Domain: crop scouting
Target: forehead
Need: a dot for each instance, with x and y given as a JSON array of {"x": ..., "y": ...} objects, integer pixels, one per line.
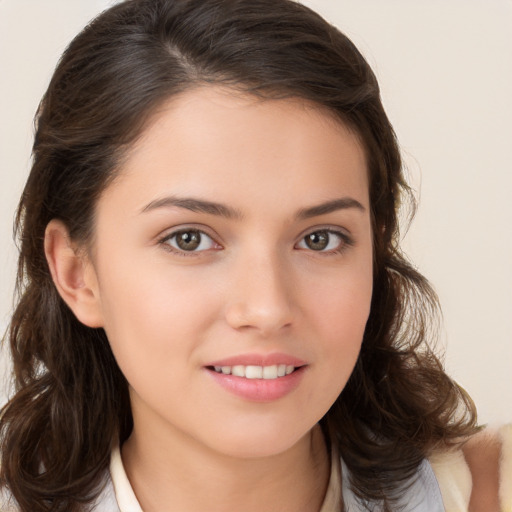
[{"x": 217, "y": 141}]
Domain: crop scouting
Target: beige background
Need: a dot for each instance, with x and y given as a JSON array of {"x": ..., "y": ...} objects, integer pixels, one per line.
[{"x": 445, "y": 68}]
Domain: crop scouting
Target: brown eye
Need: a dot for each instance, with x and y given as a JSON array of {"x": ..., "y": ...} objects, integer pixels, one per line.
[
  {"x": 325, "y": 240},
  {"x": 190, "y": 240},
  {"x": 317, "y": 241}
]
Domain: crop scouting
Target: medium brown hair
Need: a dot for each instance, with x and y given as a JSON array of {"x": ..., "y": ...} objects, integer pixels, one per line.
[{"x": 71, "y": 400}]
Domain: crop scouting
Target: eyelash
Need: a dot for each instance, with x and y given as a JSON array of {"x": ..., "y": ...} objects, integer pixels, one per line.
[
  {"x": 345, "y": 242},
  {"x": 181, "y": 252}
]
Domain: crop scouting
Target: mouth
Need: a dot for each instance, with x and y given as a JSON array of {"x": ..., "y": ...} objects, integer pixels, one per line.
[
  {"x": 271, "y": 372},
  {"x": 258, "y": 377},
  {"x": 258, "y": 383}
]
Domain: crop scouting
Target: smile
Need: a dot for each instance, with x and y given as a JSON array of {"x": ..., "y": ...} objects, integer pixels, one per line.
[
  {"x": 255, "y": 383},
  {"x": 256, "y": 372}
]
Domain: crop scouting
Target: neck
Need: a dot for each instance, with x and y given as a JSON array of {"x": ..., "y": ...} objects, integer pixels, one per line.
[{"x": 179, "y": 472}]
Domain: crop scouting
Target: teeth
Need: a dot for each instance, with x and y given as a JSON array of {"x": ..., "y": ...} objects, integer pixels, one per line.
[
  {"x": 256, "y": 372},
  {"x": 269, "y": 372},
  {"x": 238, "y": 371},
  {"x": 253, "y": 372}
]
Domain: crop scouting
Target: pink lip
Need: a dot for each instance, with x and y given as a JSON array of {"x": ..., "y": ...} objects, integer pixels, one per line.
[
  {"x": 259, "y": 360},
  {"x": 259, "y": 390}
]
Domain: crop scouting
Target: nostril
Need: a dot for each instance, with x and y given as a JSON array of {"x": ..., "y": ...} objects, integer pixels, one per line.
[{"x": 267, "y": 320}]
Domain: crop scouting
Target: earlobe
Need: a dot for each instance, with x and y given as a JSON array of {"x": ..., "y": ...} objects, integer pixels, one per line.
[{"x": 73, "y": 275}]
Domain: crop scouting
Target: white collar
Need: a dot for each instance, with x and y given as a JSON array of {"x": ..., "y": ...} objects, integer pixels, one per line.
[{"x": 125, "y": 496}]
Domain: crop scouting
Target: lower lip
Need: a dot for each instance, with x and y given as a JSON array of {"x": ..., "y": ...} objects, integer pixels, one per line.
[{"x": 259, "y": 390}]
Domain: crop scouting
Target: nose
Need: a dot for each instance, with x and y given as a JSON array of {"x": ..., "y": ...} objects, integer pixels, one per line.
[{"x": 261, "y": 296}]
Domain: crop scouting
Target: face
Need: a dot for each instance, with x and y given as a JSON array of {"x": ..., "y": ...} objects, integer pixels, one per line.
[{"x": 233, "y": 268}]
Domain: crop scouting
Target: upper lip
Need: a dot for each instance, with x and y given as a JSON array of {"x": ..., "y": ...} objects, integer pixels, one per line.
[{"x": 259, "y": 360}]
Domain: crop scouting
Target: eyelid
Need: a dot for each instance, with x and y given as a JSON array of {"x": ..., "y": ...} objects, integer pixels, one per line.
[{"x": 338, "y": 230}]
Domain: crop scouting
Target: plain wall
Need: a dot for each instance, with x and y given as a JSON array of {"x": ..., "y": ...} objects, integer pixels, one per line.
[{"x": 445, "y": 69}]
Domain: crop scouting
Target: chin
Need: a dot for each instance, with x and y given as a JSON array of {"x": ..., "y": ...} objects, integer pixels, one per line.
[{"x": 259, "y": 443}]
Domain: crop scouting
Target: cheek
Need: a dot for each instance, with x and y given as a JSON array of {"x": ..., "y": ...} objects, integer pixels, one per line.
[
  {"x": 341, "y": 325},
  {"x": 341, "y": 309},
  {"x": 341, "y": 302},
  {"x": 153, "y": 315},
  {"x": 338, "y": 319}
]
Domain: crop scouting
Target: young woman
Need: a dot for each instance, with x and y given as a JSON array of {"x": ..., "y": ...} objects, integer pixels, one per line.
[{"x": 214, "y": 312}]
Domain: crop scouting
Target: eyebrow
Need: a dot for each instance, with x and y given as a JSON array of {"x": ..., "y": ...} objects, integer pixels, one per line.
[
  {"x": 221, "y": 210},
  {"x": 342, "y": 203},
  {"x": 194, "y": 205}
]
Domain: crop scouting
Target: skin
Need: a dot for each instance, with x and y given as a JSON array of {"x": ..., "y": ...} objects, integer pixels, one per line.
[
  {"x": 254, "y": 287},
  {"x": 482, "y": 453}
]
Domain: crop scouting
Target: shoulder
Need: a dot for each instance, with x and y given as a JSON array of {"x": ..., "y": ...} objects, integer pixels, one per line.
[{"x": 478, "y": 476}]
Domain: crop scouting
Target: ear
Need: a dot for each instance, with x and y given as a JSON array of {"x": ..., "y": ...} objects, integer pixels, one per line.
[{"x": 73, "y": 274}]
